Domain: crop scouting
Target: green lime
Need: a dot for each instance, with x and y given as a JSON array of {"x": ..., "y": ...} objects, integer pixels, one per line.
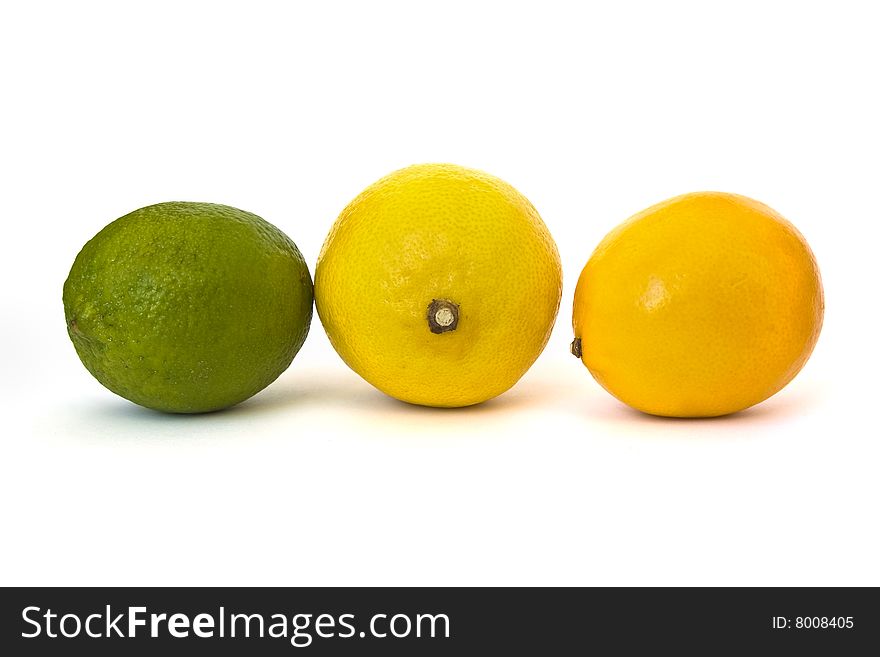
[{"x": 188, "y": 307}]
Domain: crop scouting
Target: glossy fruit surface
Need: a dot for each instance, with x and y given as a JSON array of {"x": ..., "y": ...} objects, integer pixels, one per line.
[
  {"x": 702, "y": 305},
  {"x": 439, "y": 285},
  {"x": 188, "y": 307}
]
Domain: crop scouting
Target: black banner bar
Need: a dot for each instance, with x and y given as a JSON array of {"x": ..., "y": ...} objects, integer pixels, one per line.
[{"x": 444, "y": 621}]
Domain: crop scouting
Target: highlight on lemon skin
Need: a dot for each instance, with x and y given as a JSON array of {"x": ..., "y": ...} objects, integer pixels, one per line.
[
  {"x": 699, "y": 306},
  {"x": 439, "y": 285}
]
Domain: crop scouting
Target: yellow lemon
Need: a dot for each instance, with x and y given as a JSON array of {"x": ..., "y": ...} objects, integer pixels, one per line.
[
  {"x": 439, "y": 285},
  {"x": 699, "y": 306}
]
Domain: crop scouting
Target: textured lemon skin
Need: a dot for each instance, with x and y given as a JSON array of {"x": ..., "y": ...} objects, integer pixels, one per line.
[
  {"x": 439, "y": 231},
  {"x": 700, "y": 306},
  {"x": 188, "y": 307}
]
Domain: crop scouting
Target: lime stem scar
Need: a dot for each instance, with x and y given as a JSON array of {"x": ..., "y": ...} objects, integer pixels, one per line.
[{"x": 442, "y": 315}]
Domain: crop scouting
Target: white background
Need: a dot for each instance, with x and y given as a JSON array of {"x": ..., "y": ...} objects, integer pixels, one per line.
[{"x": 594, "y": 111}]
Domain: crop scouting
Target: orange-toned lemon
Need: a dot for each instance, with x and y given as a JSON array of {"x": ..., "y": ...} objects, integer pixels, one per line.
[{"x": 699, "y": 306}]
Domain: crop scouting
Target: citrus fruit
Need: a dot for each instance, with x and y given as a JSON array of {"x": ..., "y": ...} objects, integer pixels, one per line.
[
  {"x": 699, "y": 306},
  {"x": 188, "y": 307},
  {"x": 439, "y": 285}
]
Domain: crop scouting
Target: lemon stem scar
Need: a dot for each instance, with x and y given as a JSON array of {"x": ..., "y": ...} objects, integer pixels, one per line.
[
  {"x": 442, "y": 315},
  {"x": 576, "y": 348}
]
